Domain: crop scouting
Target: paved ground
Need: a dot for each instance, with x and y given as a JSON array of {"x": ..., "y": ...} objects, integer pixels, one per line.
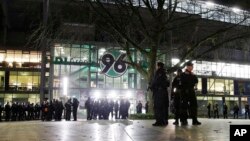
[{"x": 120, "y": 130}]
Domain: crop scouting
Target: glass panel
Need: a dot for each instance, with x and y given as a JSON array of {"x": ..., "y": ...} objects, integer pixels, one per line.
[
  {"x": 101, "y": 83},
  {"x": 199, "y": 85},
  {"x": 13, "y": 83},
  {"x": 2, "y": 76},
  {"x": 94, "y": 55},
  {"x": 117, "y": 82},
  {"x": 109, "y": 82},
  {"x": 93, "y": 82},
  {"x": 210, "y": 86}
]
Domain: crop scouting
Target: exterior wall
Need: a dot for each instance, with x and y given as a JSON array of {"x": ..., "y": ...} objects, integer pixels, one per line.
[
  {"x": 80, "y": 76},
  {"x": 20, "y": 78}
]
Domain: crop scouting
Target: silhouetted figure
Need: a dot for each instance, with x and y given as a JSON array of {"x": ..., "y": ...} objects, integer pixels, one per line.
[
  {"x": 139, "y": 108},
  {"x": 236, "y": 111},
  {"x": 216, "y": 111},
  {"x": 75, "y": 107},
  {"x": 225, "y": 111},
  {"x": 89, "y": 106},
  {"x": 159, "y": 87},
  {"x": 176, "y": 95},
  {"x": 247, "y": 111},
  {"x": 1, "y": 110},
  {"x": 68, "y": 105},
  {"x": 209, "y": 110},
  {"x": 116, "y": 109},
  {"x": 146, "y": 107},
  {"x": 188, "y": 96},
  {"x": 7, "y": 110}
]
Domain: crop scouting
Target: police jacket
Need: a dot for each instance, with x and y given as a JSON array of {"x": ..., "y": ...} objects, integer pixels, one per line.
[
  {"x": 188, "y": 80},
  {"x": 160, "y": 80}
]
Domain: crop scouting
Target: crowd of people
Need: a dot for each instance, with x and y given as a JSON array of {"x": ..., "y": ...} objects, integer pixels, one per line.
[
  {"x": 215, "y": 111},
  {"x": 103, "y": 109},
  {"x": 46, "y": 111}
]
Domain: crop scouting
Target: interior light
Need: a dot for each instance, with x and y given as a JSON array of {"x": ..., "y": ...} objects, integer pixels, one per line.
[
  {"x": 97, "y": 94},
  {"x": 236, "y": 10},
  {"x": 65, "y": 86},
  {"x": 210, "y": 4},
  {"x": 112, "y": 94},
  {"x": 129, "y": 94}
]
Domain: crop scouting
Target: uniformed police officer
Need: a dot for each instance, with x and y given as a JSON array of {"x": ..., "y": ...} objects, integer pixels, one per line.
[
  {"x": 160, "y": 95},
  {"x": 188, "y": 97},
  {"x": 176, "y": 95}
]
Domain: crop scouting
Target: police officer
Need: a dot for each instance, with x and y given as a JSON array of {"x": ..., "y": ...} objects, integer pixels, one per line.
[
  {"x": 146, "y": 107},
  {"x": 1, "y": 110},
  {"x": 216, "y": 111},
  {"x": 7, "y": 110},
  {"x": 176, "y": 95},
  {"x": 160, "y": 95},
  {"x": 209, "y": 110},
  {"x": 75, "y": 107},
  {"x": 188, "y": 97},
  {"x": 247, "y": 111},
  {"x": 68, "y": 105},
  {"x": 225, "y": 110},
  {"x": 236, "y": 111}
]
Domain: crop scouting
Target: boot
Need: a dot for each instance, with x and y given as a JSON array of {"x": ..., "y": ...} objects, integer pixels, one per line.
[{"x": 196, "y": 122}]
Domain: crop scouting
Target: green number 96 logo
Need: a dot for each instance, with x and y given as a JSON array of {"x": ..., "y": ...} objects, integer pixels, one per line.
[{"x": 112, "y": 64}]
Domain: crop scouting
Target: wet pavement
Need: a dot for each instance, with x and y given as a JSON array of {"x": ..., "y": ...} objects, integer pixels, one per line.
[{"x": 119, "y": 130}]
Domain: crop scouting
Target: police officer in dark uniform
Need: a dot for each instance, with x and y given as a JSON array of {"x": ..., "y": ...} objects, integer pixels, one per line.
[
  {"x": 160, "y": 95},
  {"x": 75, "y": 107},
  {"x": 1, "y": 110},
  {"x": 7, "y": 110},
  {"x": 225, "y": 110},
  {"x": 176, "y": 95},
  {"x": 247, "y": 111},
  {"x": 209, "y": 110},
  {"x": 188, "y": 97},
  {"x": 68, "y": 105}
]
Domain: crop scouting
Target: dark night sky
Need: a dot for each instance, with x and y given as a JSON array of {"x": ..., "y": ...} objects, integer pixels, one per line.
[{"x": 242, "y": 4}]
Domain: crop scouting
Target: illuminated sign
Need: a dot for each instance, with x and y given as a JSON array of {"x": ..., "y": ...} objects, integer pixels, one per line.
[
  {"x": 112, "y": 63},
  {"x": 71, "y": 61}
]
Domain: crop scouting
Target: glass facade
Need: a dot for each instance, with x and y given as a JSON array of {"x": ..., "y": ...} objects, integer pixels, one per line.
[
  {"x": 77, "y": 73},
  {"x": 20, "y": 76},
  {"x": 80, "y": 65},
  {"x": 20, "y": 59}
]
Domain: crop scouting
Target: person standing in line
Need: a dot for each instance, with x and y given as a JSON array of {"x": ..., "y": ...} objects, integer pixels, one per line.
[
  {"x": 216, "y": 111},
  {"x": 75, "y": 107},
  {"x": 159, "y": 87},
  {"x": 209, "y": 110},
  {"x": 236, "y": 111},
  {"x": 176, "y": 95},
  {"x": 89, "y": 106},
  {"x": 1, "y": 110},
  {"x": 7, "y": 110},
  {"x": 139, "y": 108},
  {"x": 146, "y": 107},
  {"x": 68, "y": 105},
  {"x": 116, "y": 109},
  {"x": 225, "y": 111},
  {"x": 188, "y": 96},
  {"x": 247, "y": 111}
]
